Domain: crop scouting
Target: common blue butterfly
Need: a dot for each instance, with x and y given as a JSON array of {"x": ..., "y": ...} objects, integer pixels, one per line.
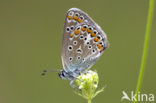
[{"x": 83, "y": 43}]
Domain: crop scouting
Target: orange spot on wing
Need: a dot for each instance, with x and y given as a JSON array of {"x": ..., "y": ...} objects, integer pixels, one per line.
[
  {"x": 84, "y": 29},
  {"x": 77, "y": 32},
  {"x": 69, "y": 17},
  {"x": 96, "y": 39},
  {"x": 75, "y": 17},
  {"x": 89, "y": 31},
  {"x": 100, "y": 47},
  {"x": 79, "y": 20},
  {"x": 71, "y": 35},
  {"x": 93, "y": 34}
]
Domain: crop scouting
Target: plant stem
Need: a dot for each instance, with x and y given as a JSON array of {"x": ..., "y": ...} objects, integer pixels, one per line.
[
  {"x": 146, "y": 46},
  {"x": 89, "y": 101}
]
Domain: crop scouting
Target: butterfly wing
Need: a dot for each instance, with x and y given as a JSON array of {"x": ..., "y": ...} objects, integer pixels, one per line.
[{"x": 83, "y": 41}]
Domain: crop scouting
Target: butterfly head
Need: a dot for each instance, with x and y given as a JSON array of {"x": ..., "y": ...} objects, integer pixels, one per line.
[{"x": 62, "y": 74}]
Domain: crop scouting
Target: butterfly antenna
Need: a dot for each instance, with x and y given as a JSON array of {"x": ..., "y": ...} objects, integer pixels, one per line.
[{"x": 45, "y": 72}]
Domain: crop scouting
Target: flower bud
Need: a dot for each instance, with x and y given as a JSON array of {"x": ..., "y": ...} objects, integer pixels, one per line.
[{"x": 86, "y": 84}]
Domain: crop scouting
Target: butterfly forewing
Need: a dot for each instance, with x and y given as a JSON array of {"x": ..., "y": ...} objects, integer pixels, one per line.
[{"x": 83, "y": 41}]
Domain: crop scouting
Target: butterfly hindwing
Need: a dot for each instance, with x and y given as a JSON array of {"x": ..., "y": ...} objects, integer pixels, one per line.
[{"x": 83, "y": 41}]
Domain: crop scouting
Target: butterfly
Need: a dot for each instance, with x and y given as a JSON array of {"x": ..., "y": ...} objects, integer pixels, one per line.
[{"x": 83, "y": 43}]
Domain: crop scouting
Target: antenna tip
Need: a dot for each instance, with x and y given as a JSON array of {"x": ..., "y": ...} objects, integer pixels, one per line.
[
  {"x": 44, "y": 70},
  {"x": 42, "y": 74}
]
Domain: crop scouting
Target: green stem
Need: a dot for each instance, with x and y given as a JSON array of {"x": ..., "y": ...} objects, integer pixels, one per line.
[
  {"x": 146, "y": 46},
  {"x": 89, "y": 101}
]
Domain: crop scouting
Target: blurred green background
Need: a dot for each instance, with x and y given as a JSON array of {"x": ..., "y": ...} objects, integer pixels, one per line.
[{"x": 31, "y": 38}]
